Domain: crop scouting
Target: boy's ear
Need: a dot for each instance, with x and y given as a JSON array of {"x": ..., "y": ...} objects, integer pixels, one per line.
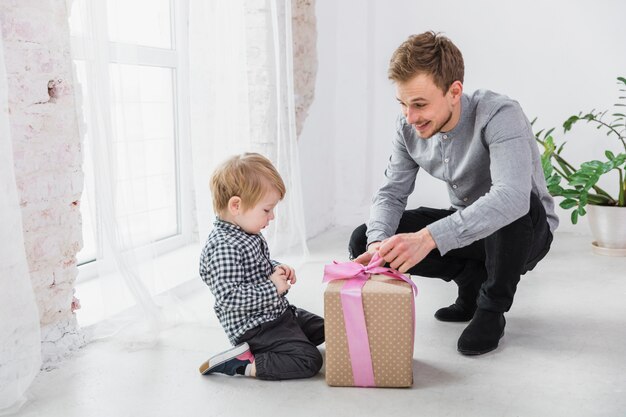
[{"x": 234, "y": 205}]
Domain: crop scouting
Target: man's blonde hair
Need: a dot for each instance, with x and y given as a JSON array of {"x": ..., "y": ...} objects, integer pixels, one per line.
[
  {"x": 427, "y": 53},
  {"x": 247, "y": 176}
]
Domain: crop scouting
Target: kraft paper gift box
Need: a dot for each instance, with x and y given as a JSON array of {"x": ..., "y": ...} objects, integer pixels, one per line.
[{"x": 383, "y": 356}]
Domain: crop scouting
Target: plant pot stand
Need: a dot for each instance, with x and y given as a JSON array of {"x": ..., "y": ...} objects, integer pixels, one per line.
[{"x": 599, "y": 250}]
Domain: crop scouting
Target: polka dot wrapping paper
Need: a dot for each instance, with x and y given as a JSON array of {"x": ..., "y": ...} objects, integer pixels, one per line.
[{"x": 389, "y": 307}]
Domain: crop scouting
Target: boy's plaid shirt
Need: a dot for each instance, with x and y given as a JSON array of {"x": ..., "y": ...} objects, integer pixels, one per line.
[{"x": 236, "y": 266}]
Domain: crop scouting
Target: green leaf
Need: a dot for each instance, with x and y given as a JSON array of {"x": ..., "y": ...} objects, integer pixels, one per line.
[
  {"x": 590, "y": 116},
  {"x": 591, "y": 182},
  {"x": 591, "y": 165},
  {"x": 568, "y": 203},
  {"x": 622, "y": 79},
  {"x": 553, "y": 183},
  {"x": 620, "y": 159},
  {"x": 567, "y": 125},
  {"x": 548, "y": 133},
  {"x": 609, "y": 155},
  {"x": 574, "y": 217},
  {"x": 546, "y": 164},
  {"x": 570, "y": 193},
  {"x": 580, "y": 177}
]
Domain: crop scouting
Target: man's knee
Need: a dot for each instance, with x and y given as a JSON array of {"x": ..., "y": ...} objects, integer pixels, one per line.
[{"x": 358, "y": 241}]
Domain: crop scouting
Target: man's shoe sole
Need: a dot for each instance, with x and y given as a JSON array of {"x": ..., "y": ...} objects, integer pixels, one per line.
[
  {"x": 454, "y": 320},
  {"x": 220, "y": 358}
]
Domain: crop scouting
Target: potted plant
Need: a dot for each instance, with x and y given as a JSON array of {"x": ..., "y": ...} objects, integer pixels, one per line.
[{"x": 579, "y": 186}]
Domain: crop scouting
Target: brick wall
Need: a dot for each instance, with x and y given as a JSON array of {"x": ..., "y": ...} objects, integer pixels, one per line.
[
  {"x": 48, "y": 157},
  {"x": 304, "y": 28}
]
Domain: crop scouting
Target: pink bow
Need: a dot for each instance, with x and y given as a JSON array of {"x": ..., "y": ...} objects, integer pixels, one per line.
[
  {"x": 356, "y": 275},
  {"x": 354, "y": 270}
]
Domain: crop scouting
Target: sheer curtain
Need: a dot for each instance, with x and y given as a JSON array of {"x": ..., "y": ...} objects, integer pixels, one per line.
[
  {"x": 127, "y": 278},
  {"x": 20, "y": 338},
  {"x": 242, "y": 99}
]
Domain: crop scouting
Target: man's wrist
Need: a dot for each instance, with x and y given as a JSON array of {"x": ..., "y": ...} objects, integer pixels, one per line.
[
  {"x": 370, "y": 246},
  {"x": 427, "y": 238}
]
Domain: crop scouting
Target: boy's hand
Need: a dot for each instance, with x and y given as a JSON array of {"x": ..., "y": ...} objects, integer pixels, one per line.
[
  {"x": 289, "y": 272},
  {"x": 279, "y": 279}
]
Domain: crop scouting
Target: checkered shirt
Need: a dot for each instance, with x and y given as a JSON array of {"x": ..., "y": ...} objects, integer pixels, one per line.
[{"x": 236, "y": 266}]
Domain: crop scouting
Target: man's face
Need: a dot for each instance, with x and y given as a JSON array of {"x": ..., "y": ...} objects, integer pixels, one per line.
[{"x": 426, "y": 107}]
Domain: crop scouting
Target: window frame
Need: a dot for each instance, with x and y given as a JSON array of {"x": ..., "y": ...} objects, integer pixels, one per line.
[{"x": 177, "y": 60}]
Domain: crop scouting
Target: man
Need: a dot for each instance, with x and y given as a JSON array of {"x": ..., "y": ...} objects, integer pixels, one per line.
[{"x": 502, "y": 217}]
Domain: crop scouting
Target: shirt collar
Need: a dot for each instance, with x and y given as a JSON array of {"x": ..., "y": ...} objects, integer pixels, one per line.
[{"x": 227, "y": 226}]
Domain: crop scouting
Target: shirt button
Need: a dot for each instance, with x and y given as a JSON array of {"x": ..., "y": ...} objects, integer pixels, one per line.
[
  {"x": 446, "y": 160},
  {"x": 454, "y": 186},
  {"x": 445, "y": 136},
  {"x": 465, "y": 199}
]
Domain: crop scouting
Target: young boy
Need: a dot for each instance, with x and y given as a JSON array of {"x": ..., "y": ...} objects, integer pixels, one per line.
[{"x": 273, "y": 340}]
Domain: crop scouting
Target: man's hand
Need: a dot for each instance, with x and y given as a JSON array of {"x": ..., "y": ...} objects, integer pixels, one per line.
[
  {"x": 279, "y": 279},
  {"x": 366, "y": 257},
  {"x": 405, "y": 250}
]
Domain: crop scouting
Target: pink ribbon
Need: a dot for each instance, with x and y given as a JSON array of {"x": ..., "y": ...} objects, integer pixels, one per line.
[{"x": 356, "y": 275}]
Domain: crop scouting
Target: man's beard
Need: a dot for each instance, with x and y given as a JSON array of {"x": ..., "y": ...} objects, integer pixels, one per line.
[{"x": 436, "y": 130}]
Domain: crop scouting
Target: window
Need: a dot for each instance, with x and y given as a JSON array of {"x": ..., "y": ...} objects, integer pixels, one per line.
[{"x": 147, "y": 55}]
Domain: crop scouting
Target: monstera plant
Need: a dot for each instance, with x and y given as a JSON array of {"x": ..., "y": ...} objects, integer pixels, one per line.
[{"x": 578, "y": 186}]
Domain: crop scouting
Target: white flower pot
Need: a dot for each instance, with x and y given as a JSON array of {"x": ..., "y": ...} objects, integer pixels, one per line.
[{"x": 608, "y": 227}]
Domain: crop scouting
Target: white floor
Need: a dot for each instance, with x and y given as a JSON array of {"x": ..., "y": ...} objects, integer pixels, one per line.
[{"x": 563, "y": 354}]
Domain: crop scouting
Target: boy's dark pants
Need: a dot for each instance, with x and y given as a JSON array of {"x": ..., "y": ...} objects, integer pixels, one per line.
[
  {"x": 489, "y": 268},
  {"x": 285, "y": 348}
]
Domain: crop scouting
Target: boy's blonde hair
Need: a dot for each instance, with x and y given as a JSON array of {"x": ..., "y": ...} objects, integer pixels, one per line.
[{"x": 247, "y": 176}]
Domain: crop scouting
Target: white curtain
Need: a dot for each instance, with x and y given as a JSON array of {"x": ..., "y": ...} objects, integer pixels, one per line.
[
  {"x": 127, "y": 277},
  {"x": 20, "y": 338},
  {"x": 242, "y": 100}
]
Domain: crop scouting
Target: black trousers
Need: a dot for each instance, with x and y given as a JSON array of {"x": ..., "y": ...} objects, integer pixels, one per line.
[
  {"x": 486, "y": 271},
  {"x": 285, "y": 348}
]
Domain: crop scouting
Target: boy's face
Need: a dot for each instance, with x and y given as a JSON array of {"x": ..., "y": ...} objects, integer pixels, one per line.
[
  {"x": 256, "y": 218},
  {"x": 426, "y": 107}
]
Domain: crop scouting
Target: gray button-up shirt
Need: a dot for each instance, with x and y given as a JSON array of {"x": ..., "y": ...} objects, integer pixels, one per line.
[{"x": 490, "y": 162}]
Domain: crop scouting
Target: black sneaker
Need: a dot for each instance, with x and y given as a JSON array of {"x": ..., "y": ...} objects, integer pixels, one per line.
[{"x": 230, "y": 362}]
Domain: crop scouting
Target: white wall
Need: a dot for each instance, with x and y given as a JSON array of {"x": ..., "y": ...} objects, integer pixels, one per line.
[{"x": 556, "y": 58}]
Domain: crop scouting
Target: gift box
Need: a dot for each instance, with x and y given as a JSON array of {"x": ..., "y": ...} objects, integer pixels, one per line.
[{"x": 369, "y": 322}]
